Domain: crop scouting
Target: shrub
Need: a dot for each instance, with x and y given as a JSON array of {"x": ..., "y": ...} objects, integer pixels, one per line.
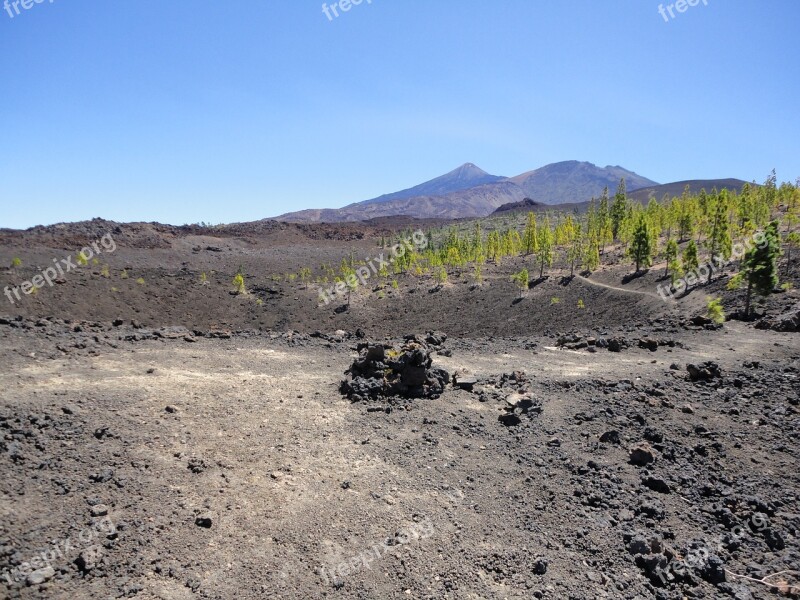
[
  {"x": 521, "y": 280},
  {"x": 554, "y": 300},
  {"x": 238, "y": 284},
  {"x": 581, "y": 305},
  {"x": 81, "y": 259},
  {"x": 140, "y": 281},
  {"x": 16, "y": 263},
  {"x": 736, "y": 282},
  {"x": 95, "y": 262},
  {"x": 440, "y": 275},
  {"x": 304, "y": 274},
  {"x": 714, "y": 310},
  {"x": 394, "y": 284},
  {"x": 124, "y": 274},
  {"x": 203, "y": 279},
  {"x": 476, "y": 274},
  {"x": 259, "y": 301},
  {"x": 105, "y": 272}
]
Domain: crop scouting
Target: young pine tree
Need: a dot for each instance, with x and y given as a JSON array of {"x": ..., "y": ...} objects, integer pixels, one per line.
[
  {"x": 760, "y": 265},
  {"x": 719, "y": 238},
  {"x": 521, "y": 280},
  {"x": 671, "y": 255},
  {"x": 544, "y": 239},
  {"x": 675, "y": 271},
  {"x": 641, "y": 249},
  {"x": 619, "y": 208},
  {"x": 604, "y": 228},
  {"x": 575, "y": 252},
  {"x": 689, "y": 260},
  {"x": 591, "y": 257},
  {"x": 529, "y": 240}
]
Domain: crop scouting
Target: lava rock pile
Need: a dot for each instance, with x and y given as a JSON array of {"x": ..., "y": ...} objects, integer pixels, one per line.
[{"x": 386, "y": 371}]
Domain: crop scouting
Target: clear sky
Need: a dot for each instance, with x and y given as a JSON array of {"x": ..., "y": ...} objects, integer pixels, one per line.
[{"x": 223, "y": 111}]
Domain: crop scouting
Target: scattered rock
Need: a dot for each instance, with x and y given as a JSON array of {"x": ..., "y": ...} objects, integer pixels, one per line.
[
  {"x": 197, "y": 465},
  {"x": 204, "y": 521},
  {"x": 641, "y": 454},
  {"x": 706, "y": 371},
  {"x": 89, "y": 558},
  {"x": 610, "y": 437},
  {"x": 40, "y": 576},
  {"x": 464, "y": 382},
  {"x": 656, "y": 484},
  {"x": 540, "y": 566}
]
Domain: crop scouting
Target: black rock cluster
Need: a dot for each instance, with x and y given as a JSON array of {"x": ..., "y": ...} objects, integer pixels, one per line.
[{"x": 387, "y": 371}]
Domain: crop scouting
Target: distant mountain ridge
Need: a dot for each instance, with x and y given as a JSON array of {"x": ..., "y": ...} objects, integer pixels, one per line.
[
  {"x": 675, "y": 189},
  {"x": 469, "y": 191}
]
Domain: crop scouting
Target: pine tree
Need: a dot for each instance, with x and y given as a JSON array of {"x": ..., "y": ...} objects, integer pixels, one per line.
[
  {"x": 544, "y": 239},
  {"x": 760, "y": 265},
  {"x": 675, "y": 271},
  {"x": 478, "y": 252},
  {"x": 511, "y": 242},
  {"x": 494, "y": 246},
  {"x": 689, "y": 259},
  {"x": 641, "y": 250},
  {"x": 576, "y": 250},
  {"x": 687, "y": 215},
  {"x": 670, "y": 254},
  {"x": 719, "y": 238},
  {"x": 604, "y": 227},
  {"x": 521, "y": 279},
  {"x": 591, "y": 257},
  {"x": 529, "y": 241},
  {"x": 619, "y": 208}
]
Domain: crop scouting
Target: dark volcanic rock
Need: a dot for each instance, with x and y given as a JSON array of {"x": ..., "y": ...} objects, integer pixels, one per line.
[
  {"x": 384, "y": 371},
  {"x": 706, "y": 371}
]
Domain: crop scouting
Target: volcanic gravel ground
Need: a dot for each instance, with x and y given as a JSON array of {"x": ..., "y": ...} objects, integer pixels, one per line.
[{"x": 232, "y": 467}]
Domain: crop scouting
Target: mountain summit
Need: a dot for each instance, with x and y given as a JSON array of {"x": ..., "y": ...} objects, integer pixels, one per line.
[
  {"x": 464, "y": 177},
  {"x": 575, "y": 181}
]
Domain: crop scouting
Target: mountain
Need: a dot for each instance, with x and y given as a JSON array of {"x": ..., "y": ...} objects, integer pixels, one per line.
[
  {"x": 464, "y": 177},
  {"x": 476, "y": 201},
  {"x": 468, "y": 191},
  {"x": 676, "y": 188},
  {"x": 574, "y": 181}
]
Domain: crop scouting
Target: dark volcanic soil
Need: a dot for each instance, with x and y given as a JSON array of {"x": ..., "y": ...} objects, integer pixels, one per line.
[{"x": 207, "y": 452}]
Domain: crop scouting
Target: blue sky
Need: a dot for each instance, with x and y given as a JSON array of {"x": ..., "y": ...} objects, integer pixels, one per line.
[{"x": 239, "y": 110}]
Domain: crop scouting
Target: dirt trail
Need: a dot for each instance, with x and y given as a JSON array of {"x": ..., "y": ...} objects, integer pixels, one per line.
[{"x": 619, "y": 289}]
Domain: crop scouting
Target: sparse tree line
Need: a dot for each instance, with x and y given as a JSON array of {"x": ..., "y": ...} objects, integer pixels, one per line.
[{"x": 679, "y": 231}]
